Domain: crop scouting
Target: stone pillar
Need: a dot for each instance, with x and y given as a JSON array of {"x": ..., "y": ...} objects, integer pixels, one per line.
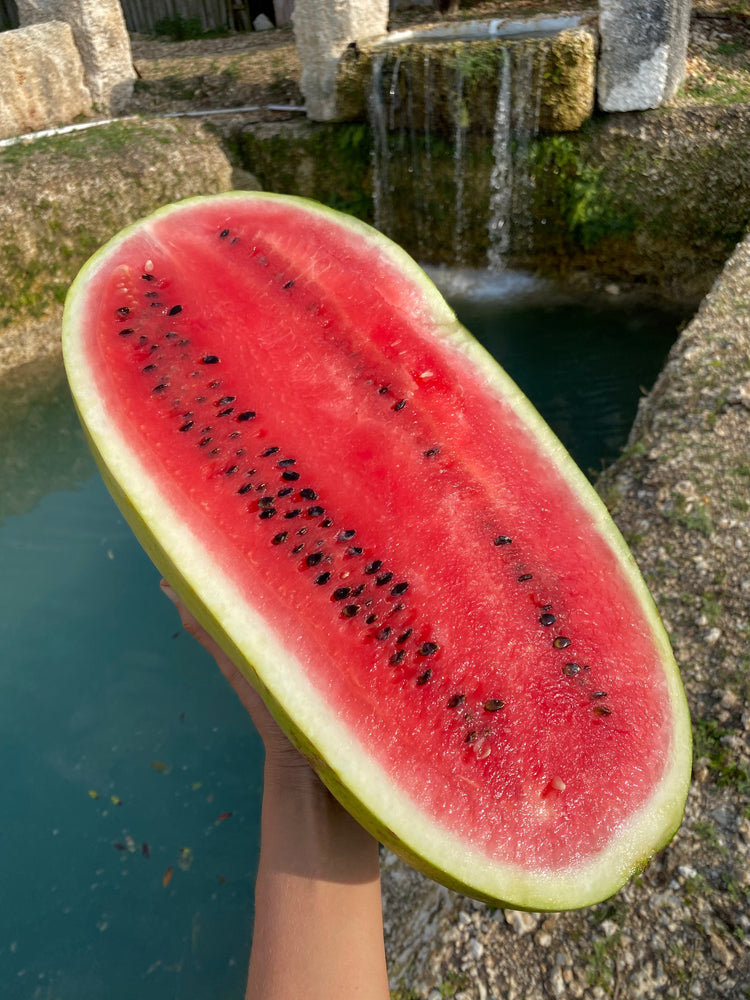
[
  {"x": 41, "y": 79},
  {"x": 322, "y": 31},
  {"x": 102, "y": 39},
  {"x": 643, "y": 50}
]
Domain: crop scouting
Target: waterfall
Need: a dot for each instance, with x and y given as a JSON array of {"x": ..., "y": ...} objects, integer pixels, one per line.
[
  {"x": 450, "y": 180},
  {"x": 501, "y": 177}
]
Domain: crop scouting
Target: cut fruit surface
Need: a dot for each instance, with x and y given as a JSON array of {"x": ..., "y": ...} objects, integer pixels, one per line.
[{"x": 371, "y": 518}]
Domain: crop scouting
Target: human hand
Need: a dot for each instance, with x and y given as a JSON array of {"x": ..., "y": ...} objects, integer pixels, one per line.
[{"x": 281, "y": 757}]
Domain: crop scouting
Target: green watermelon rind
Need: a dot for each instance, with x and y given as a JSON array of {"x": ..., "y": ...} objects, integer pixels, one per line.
[{"x": 300, "y": 711}]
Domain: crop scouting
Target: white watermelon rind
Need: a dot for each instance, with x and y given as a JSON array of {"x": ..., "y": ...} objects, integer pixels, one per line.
[{"x": 350, "y": 772}]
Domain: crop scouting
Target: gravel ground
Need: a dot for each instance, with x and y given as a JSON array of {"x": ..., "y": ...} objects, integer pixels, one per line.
[{"x": 681, "y": 496}]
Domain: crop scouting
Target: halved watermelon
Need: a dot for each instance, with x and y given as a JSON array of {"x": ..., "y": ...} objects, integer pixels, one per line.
[{"x": 371, "y": 518}]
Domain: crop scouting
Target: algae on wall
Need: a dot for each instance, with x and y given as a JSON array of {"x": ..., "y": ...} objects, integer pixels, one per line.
[{"x": 63, "y": 196}]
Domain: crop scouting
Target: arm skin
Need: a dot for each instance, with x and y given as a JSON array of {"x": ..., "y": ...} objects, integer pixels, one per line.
[{"x": 318, "y": 920}]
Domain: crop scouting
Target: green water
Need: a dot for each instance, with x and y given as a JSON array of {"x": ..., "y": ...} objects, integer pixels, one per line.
[{"x": 102, "y": 695}]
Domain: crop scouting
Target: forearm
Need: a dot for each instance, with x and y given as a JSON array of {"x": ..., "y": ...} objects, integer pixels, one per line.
[{"x": 318, "y": 921}]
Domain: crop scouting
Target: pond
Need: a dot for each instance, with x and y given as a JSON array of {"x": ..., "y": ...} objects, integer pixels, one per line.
[{"x": 131, "y": 778}]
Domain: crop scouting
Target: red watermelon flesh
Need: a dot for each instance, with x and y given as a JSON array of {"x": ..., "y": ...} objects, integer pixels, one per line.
[{"x": 373, "y": 520}]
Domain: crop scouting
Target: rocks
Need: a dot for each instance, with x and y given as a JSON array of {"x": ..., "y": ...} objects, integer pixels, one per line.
[
  {"x": 41, "y": 79},
  {"x": 101, "y": 37},
  {"x": 643, "y": 50},
  {"x": 322, "y": 33}
]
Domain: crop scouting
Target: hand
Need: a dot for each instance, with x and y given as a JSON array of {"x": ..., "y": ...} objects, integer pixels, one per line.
[{"x": 280, "y": 754}]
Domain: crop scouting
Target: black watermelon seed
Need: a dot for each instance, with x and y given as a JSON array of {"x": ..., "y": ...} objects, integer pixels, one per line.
[
  {"x": 341, "y": 593},
  {"x": 602, "y": 710},
  {"x": 598, "y": 694},
  {"x": 470, "y": 737},
  {"x": 428, "y": 648},
  {"x": 154, "y": 347},
  {"x": 397, "y": 657},
  {"x": 314, "y": 558},
  {"x": 210, "y": 359},
  {"x": 231, "y": 470},
  {"x": 399, "y": 405},
  {"x": 288, "y": 284},
  {"x": 561, "y": 642},
  {"x": 524, "y": 577},
  {"x": 123, "y": 311},
  {"x": 280, "y": 538},
  {"x": 174, "y": 310},
  {"x": 424, "y": 677},
  {"x": 383, "y": 579},
  {"x": 351, "y": 610},
  {"x": 156, "y": 305},
  {"x": 226, "y": 412},
  {"x": 547, "y": 619},
  {"x": 143, "y": 339},
  {"x": 187, "y": 425},
  {"x": 308, "y": 494},
  {"x": 290, "y": 475},
  {"x": 266, "y": 502},
  {"x": 246, "y": 488},
  {"x": 404, "y": 636},
  {"x": 373, "y": 567},
  {"x": 371, "y": 619},
  {"x": 285, "y": 492},
  {"x": 456, "y": 700},
  {"x": 149, "y": 368},
  {"x": 269, "y": 451},
  {"x": 323, "y": 578},
  {"x": 399, "y": 589},
  {"x": 383, "y": 389},
  {"x": 384, "y": 632},
  {"x": 358, "y": 590},
  {"x": 315, "y": 511},
  {"x": 161, "y": 387},
  {"x": 494, "y": 704},
  {"x": 215, "y": 384},
  {"x": 327, "y": 523},
  {"x": 148, "y": 277},
  {"x": 571, "y": 669},
  {"x": 225, "y": 400},
  {"x": 267, "y": 512},
  {"x": 354, "y": 550},
  {"x": 298, "y": 548},
  {"x": 293, "y": 513},
  {"x": 245, "y": 415},
  {"x": 223, "y": 234},
  {"x": 430, "y": 452},
  {"x": 347, "y": 535},
  {"x": 126, "y": 331},
  {"x": 215, "y": 451},
  {"x": 397, "y": 607},
  {"x": 234, "y": 435},
  {"x": 287, "y": 461},
  {"x": 171, "y": 334}
]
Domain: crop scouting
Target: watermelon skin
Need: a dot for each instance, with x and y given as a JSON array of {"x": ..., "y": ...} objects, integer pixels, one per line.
[{"x": 548, "y": 850}]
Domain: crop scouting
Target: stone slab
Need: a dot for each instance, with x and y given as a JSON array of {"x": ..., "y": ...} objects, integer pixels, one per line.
[
  {"x": 103, "y": 43},
  {"x": 643, "y": 51},
  {"x": 322, "y": 33},
  {"x": 41, "y": 79}
]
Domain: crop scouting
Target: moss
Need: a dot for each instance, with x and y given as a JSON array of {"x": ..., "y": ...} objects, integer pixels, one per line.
[{"x": 330, "y": 163}]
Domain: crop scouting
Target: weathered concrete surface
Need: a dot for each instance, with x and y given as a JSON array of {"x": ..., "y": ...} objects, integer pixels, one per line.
[
  {"x": 41, "y": 79},
  {"x": 643, "y": 50},
  {"x": 103, "y": 44},
  {"x": 62, "y": 197},
  {"x": 681, "y": 496},
  {"x": 322, "y": 33}
]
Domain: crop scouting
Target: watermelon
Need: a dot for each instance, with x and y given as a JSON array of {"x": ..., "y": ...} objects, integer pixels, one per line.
[{"x": 373, "y": 521}]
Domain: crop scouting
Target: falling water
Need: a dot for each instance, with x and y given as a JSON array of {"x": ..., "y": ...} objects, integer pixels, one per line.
[
  {"x": 429, "y": 188},
  {"x": 501, "y": 178}
]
